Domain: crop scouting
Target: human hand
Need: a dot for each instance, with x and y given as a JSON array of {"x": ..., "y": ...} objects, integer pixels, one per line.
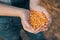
[{"x": 26, "y": 24}]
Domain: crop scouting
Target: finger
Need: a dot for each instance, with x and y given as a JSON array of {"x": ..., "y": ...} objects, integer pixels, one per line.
[
  {"x": 45, "y": 28},
  {"x": 38, "y": 29},
  {"x": 27, "y": 28},
  {"x": 27, "y": 23}
]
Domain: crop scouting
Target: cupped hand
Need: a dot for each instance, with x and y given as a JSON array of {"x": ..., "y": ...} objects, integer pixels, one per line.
[{"x": 28, "y": 27}]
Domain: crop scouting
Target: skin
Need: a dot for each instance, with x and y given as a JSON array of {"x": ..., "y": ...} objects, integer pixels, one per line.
[{"x": 6, "y": 10}]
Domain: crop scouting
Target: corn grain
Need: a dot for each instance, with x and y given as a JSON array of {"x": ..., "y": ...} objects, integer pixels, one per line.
[{"x": 37, "y": 19}]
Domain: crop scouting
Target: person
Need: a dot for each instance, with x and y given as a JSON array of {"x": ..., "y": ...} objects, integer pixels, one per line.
[{"x": 10, "y": 20}]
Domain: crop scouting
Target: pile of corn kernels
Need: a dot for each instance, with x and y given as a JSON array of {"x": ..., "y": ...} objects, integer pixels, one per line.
[{"x": 37, "y": 19}]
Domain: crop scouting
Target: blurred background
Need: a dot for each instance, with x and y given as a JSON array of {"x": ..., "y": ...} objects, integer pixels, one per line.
[{"x": 52, "y": 6}]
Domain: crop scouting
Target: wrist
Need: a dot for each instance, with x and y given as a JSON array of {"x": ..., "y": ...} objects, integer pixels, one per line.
[{"x": 22, "y": 12}]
